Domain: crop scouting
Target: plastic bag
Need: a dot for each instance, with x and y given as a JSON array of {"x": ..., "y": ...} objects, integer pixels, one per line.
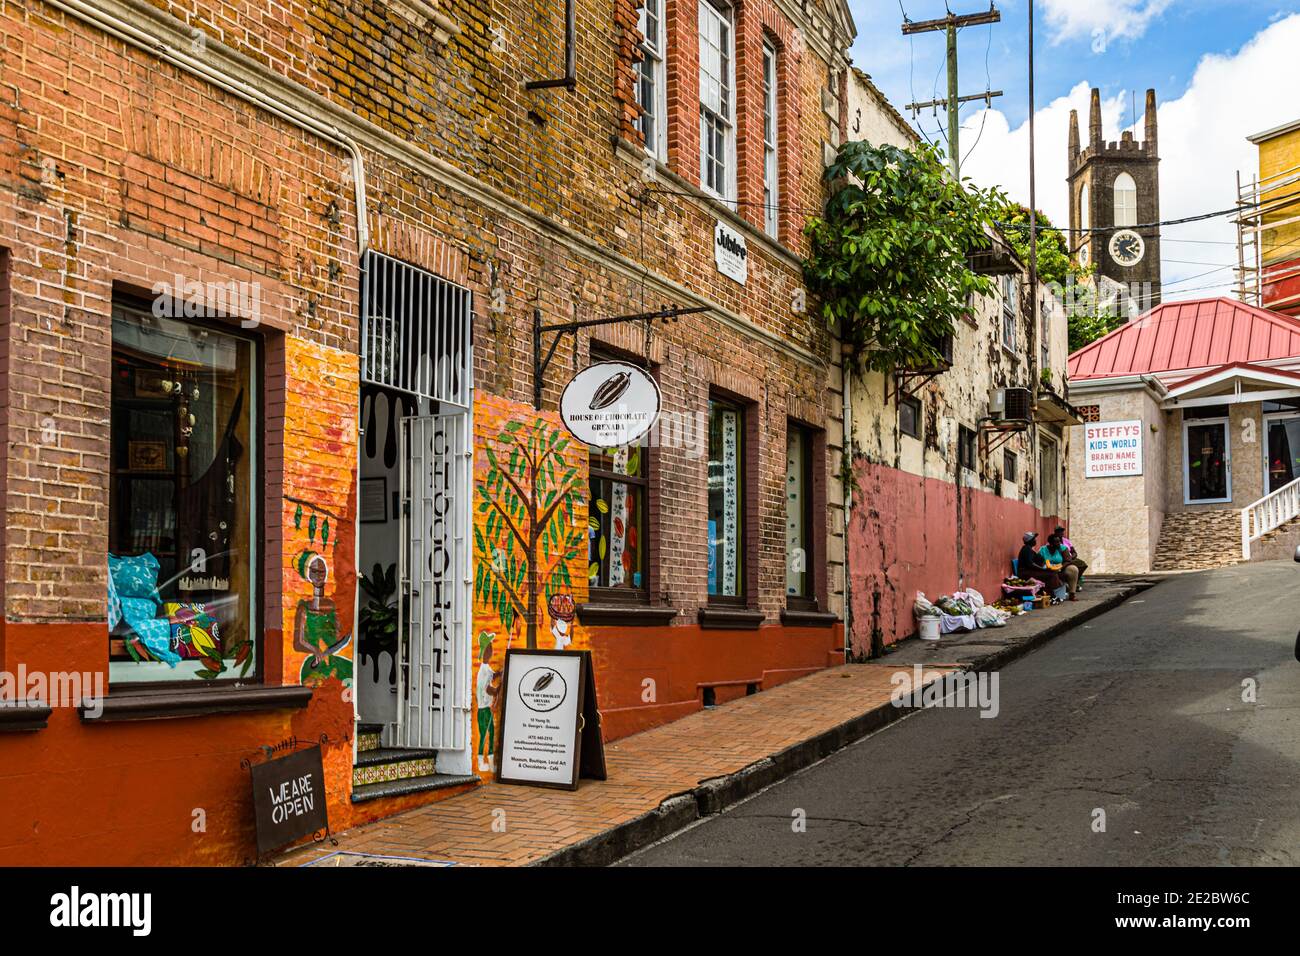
[
  {"x": 989, "y": 616},
  {"x": 974, "y": 598},
  {"x": 923, "y": 608}
]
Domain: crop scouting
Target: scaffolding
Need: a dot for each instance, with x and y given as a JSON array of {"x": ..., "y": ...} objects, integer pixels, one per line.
[{"x": 1266, "y": 205}]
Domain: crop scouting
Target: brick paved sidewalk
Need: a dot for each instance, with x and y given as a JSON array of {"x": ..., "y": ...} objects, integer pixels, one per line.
[{"x": 814, "y": 716}]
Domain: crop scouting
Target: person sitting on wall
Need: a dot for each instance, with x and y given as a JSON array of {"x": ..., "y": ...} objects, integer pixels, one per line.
[
  {"x": 1056, "y": 556},
  {"x": 1074, "y": 559},
  {"x": 1031, "y": 566}
]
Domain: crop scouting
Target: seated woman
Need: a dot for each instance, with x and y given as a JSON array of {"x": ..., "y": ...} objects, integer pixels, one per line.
[
  {"x": 1029, "y": 564},
  {"x": 1057, "y": 556}
]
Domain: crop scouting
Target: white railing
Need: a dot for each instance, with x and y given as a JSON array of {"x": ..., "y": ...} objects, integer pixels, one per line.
[{"x": 1270, "y": 512}]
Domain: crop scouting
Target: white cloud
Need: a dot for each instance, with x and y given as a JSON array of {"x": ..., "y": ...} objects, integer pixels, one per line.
[
  {"x": 1202, "y": 146},
  {"x": 1101, "y": 20}
]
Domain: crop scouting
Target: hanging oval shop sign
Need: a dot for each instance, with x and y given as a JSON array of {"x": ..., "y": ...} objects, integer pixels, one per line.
[{"x": 610, "y": 404}]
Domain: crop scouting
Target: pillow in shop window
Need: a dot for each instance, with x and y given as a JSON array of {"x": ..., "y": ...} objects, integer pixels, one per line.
[{"x": 135, "y": 577}]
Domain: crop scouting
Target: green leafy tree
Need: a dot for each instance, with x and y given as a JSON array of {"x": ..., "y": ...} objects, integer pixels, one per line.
[
  {"x": 528, "y": 496},
  {"x": 888, "y": 259},
  {"x": 1088, "y": 319}
]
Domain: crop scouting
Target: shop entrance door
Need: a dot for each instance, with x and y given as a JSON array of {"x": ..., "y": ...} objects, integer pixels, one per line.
[
  {"x": 1207, "y": 462},
  {"x": 432, "y": 677},
  {"x": 1282, "y": 450}
]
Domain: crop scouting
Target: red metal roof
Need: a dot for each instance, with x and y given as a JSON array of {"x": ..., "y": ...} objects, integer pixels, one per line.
[{"x": 1201, "y": 333}]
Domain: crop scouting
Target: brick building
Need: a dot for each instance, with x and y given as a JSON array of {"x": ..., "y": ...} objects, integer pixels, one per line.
[{"x": 269, "y": 278}]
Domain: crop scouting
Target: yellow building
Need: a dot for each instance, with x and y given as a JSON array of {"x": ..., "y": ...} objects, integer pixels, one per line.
[{"x": 1270, "y": 230}]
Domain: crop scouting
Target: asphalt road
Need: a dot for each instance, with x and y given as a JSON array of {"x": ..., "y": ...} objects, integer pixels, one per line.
[{"x": 1138, "y": 713}]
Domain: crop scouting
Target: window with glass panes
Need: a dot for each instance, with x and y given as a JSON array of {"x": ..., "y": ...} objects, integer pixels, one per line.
[
  {"x": 798, "y": 514},
  {"x": 1010, "y": 306},
  {"x": 726, "y": 500},
  {"x": 771, "y": 168},
  {"x": 183, "y": 501},
  {"x": 650, "y": 79},
  {"x": 717, "y": 129},
  {"x": 617, "y": 531}
]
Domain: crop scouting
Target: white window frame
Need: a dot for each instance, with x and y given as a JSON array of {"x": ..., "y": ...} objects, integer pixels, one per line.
[
  {"x": 1010, "y": 311},
  {"x": 718, "y": 111},
  {"x": 651, "y": 69},
  {"x": 1126, "y": 201},
  {"x": 1045, "y": 334},
  {"x": 1044, "y": 440},
  {"x": 771, "y": 149}
]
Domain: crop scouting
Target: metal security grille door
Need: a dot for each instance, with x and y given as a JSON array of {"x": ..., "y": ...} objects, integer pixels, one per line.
[
  {"x": 433, "y": 667},
  {"x": 416, "y": 339},
  {"x": 415, "y": 334}
]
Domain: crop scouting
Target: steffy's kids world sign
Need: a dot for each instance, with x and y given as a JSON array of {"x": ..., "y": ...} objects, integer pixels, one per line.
[
  {"x": 610, "y": 404},
  {"x": 1112, "y": 449}
]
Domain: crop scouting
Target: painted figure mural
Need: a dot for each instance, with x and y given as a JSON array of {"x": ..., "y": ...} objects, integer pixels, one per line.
[
  {"x": 316, "y": 627},
  {"x": 530, "y": 546}
]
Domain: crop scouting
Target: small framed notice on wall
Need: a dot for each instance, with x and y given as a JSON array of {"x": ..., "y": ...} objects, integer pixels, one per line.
[
  {"x": 374, "y": 500},
  {"x": 550, "y": 727}
]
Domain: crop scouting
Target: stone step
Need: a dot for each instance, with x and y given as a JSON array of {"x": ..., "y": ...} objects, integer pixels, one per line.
[
  {"x": 1198, "y": 540},
  {"x": 397, "y": 788}
]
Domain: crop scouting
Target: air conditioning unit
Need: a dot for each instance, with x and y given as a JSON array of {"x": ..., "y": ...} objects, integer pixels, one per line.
[{"x": 1010, "y": 405}]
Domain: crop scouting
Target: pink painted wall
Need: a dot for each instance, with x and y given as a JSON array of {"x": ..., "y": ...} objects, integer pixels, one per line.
[{"x": 910, "y": 534}]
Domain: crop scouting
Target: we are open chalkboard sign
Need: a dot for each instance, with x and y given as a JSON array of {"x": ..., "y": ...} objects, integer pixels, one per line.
[{"x": 289, "y": 799}]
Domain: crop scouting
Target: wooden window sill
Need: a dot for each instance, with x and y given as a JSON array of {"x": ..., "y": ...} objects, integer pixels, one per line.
[
  {"x": 731, "y": 618},
  {"x": 23, "y": 715},
  {"x": 796, "y": 617},
  {"x": 625, "y": 615},
  {"x": 194, "y": 702}
]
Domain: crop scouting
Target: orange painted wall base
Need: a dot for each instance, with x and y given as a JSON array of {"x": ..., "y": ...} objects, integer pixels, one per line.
[{"x": 647, "y": 676}]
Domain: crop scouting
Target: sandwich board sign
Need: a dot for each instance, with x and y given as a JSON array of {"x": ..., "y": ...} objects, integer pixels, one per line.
[
  {"x": 550, "y": 727},
  {"x": 289, "y": 799}
]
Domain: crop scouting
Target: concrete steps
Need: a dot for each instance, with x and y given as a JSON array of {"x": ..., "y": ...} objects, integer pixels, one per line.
[{"x": 1198, "y": 540}]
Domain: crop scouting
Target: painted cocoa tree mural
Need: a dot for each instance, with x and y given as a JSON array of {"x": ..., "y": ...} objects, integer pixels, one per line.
[{"x": 525, "y": 532}]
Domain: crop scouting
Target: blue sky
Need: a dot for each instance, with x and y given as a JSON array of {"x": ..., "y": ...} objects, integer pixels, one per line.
[{"x": 1222, "y": 70}]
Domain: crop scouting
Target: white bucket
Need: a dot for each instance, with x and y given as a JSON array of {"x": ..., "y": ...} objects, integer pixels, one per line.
[{"x": 929, "y": 628}]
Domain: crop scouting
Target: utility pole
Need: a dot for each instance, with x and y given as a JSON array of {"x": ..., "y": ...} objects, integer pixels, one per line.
[
  {"x": 1035, "y": 325},
  {"x": 951, "y": 24}
]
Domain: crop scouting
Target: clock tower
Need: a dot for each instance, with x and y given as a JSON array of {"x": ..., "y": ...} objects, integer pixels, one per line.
[{"x": 1114, "y": 195}]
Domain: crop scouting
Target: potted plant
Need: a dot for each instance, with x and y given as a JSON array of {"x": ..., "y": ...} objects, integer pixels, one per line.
[{"x": 378, "y": 619}]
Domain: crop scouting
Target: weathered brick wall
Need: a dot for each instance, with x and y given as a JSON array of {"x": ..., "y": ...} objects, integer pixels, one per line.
[{"x": 121, "y": 170}]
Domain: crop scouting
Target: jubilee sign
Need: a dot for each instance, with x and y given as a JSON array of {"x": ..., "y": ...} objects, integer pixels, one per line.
[
  {"x": 1112, "y": 449},
  {"x": 610, "y": 404}
]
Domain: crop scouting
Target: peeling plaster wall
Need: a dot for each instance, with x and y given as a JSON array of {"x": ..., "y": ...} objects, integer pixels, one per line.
[{"x": 911, "y": 528}]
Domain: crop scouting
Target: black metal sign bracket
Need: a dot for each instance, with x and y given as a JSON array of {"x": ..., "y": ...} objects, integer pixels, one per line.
[{"x": 541, "y": 362}]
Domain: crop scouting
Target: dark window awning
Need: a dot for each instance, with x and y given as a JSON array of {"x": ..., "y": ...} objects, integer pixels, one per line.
[{"x": 1052, "y": 409}]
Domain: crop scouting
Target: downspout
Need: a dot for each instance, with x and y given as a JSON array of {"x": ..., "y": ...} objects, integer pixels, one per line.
[
  {"x": 236, "y": 87},
  {"x": 846, "y": 483}
]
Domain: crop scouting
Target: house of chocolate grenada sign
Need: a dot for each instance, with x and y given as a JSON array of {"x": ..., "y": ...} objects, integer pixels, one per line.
[{"x": 610, "y": 404}]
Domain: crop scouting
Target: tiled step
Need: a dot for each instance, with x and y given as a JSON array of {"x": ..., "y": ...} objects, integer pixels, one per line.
[
  {"x": 368, "y": 736},
  {"x": 397, "y": 788},
  {"x": 386, "y": 764}
]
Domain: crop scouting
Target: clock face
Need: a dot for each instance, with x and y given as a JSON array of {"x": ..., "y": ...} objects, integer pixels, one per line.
[
  {"x": 1084, "y": 256},
  {"x": 1127, "y": 247}
]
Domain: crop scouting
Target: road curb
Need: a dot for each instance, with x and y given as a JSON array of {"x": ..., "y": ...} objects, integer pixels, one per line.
[
  {"x": 999, "y": 659},
  {"x": 710, "y": 797}
]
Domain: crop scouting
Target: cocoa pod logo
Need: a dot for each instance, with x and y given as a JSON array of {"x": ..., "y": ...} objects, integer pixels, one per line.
[
  {"x": 544, "y": 681},
  {"x": 610, "y": 391}
]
